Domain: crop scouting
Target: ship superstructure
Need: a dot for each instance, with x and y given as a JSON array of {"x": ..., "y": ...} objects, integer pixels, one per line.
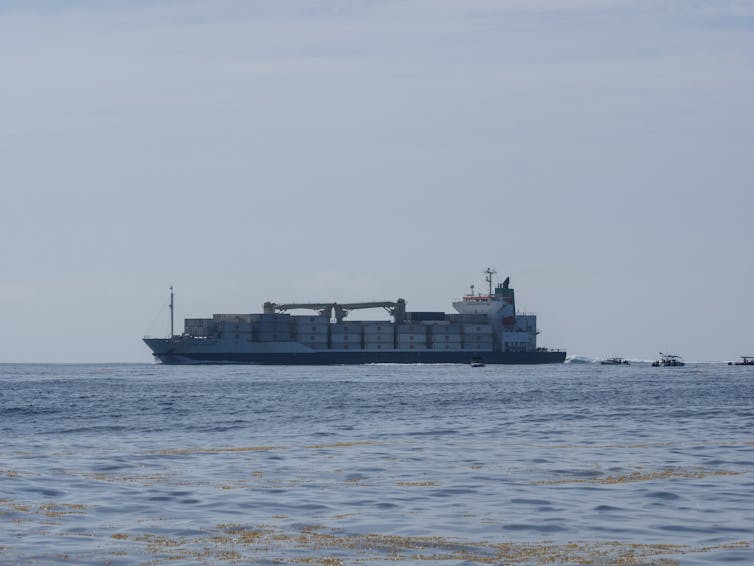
[{"x": 485, "y": 326}]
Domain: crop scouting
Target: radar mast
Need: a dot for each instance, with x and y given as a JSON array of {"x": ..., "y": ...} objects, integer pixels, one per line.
[
  {"x": 490, "y": 272},
  {"x": 172, "y": 310}
]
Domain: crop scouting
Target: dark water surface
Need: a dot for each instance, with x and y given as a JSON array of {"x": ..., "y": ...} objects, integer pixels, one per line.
[{"x": 573, "y": 463}]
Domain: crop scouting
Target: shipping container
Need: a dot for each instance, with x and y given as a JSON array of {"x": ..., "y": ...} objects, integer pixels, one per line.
[
  {"x": 345, "y": 339},
  {"x": 451, "y": 346},
  {"x": 379, "y": 346},
  {"x": 411, "y": 337},
  {"x": 299, "y": 320},
  {"x": 312, "y": 329},
  {"x": 415, "y": 328},
  {"x": 233, "y": 326},
  {"x": 446, "y": 329},
  {"x": 346, "y": 328},
  {"x": 269, "y": 317},
  {"x": 273, "y": 324},
  {"x": 309, "y": 323},
  {"x": 378, "y": 327},
  {"x": 379, "y": 338},
  {"x": 232, "y": 317},
  {"x": 370, "y": 343},
  {"x": 485, "y": 329},
  {"x": 445, "y": 346},
  {"x": 418, "y": 316},
  {"x": 199, "y": 327},
  {"x": 273, "y": 336},
  {"x": 411, "y": 346},
  {"x": 410, "y": 340},
  {"x": 445, "y": 339}
]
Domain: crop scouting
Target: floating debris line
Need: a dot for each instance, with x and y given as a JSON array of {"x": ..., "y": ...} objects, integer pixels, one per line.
[
  {"x": 318, "y": 544},
  {"x": 636, "y": 476}
]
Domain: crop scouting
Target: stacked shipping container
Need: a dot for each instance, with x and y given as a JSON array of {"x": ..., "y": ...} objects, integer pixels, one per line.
[
  {"x": 411, "y": 336},
  {"x": 379, "y": 335},
  {"x": 445, "y": 337},
  {"x": 477, "y": 337},
  {"x": 312, "y": 331},
  {"x": 272, "y": 327}
]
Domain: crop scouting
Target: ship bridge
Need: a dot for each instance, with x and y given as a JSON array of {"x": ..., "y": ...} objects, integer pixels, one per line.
[{"x": 499, "y": 303}]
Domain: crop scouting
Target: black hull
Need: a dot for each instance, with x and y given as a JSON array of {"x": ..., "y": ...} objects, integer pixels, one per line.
[{"x": 356, "y": 358}]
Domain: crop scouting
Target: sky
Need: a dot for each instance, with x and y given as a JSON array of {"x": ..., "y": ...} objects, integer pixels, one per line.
[{"x": 600, "y": 153}]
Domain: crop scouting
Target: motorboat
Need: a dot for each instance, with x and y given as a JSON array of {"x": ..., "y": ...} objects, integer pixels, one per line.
[
  {"x": 477, "y": 361},
  {"x": 668, "y": 360},
  {"x": 615, "y": 362},
  {"x": 745, "y": 361}
]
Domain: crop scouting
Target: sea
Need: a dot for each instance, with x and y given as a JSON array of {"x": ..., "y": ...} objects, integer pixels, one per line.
[{"x": 575, "y": 463}]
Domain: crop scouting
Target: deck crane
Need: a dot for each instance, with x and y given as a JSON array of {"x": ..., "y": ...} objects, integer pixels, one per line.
[{"x": 397, "y": 309}]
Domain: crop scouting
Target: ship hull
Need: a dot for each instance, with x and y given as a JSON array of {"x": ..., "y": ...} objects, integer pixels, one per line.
[{"x": 359, "y": 357}]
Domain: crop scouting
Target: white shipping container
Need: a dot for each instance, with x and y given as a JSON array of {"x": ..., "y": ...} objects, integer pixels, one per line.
[
  {"x": 445, "y": 346},
  {"x": 319, "y": 325},
  {"x": 412, "y": 339},
  {"x": 441, "y": 329},
  {"x": 446, "y": 338},
  {"x": 273, "y": 336},
  {"x": 411, "y": 346},
  {"x": 346, "y": 328},
  {"x": 277, "y": 317},
  {"x": 378, "y": 327},
  {"x": 414, "y": 328},
  {"x": 345, "y": 339},
  {"x": 379, "y": 346},
  {"x": 378, "y": 338},
  {"x": 453, "y": 346},
  {"x": 261, "y": 327},
  {"x": 310, "y": 319},
  {"x": 478, "y": 337},
  {"x": 442, "y": 340},
  {"x": 234, "y": 326},
  {"x": 477, "y": 329},
  {"x": 232, "y": 317}
]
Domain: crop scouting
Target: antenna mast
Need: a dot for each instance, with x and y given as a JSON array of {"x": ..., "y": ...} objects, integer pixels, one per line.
[
  {"x": 490, "y": 272},
  {"x": 172, "y": 310}
]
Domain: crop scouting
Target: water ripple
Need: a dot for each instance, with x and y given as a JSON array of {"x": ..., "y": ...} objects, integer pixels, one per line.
[{"x": 558, "y": 464}]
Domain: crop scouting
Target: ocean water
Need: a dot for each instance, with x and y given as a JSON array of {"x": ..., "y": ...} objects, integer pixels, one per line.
[{"x": 439, "y": 464}]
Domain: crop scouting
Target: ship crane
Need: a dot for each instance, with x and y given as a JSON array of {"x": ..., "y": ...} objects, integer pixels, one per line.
[
  {"x": 396, "y": 309},
  {"x": 324, "y": 309}
]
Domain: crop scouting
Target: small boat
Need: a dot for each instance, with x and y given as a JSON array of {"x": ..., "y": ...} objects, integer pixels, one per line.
[
  {"x": 745, "y": 361},
  {"x": 668, "y": 360},
  {"x": 615, "y": 362},
  {"x": 477, "y": 361}
]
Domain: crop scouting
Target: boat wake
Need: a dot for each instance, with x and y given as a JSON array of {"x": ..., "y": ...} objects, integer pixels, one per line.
[{"x": 581, "y": 360}]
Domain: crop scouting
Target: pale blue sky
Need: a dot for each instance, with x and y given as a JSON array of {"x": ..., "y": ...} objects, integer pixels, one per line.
[{"x": 599, "y": 153}]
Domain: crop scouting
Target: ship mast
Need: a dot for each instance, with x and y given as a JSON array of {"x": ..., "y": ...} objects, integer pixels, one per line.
[
  {"x": 490, "y": 272},
  {"x": 172, "y": 310}
]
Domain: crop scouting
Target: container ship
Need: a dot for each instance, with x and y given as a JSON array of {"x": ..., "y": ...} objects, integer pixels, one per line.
[{"x": 484, "y": 327}]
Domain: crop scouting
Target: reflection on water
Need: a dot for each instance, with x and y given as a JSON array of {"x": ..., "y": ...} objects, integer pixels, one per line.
[{"x": 555, "y": 464}]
